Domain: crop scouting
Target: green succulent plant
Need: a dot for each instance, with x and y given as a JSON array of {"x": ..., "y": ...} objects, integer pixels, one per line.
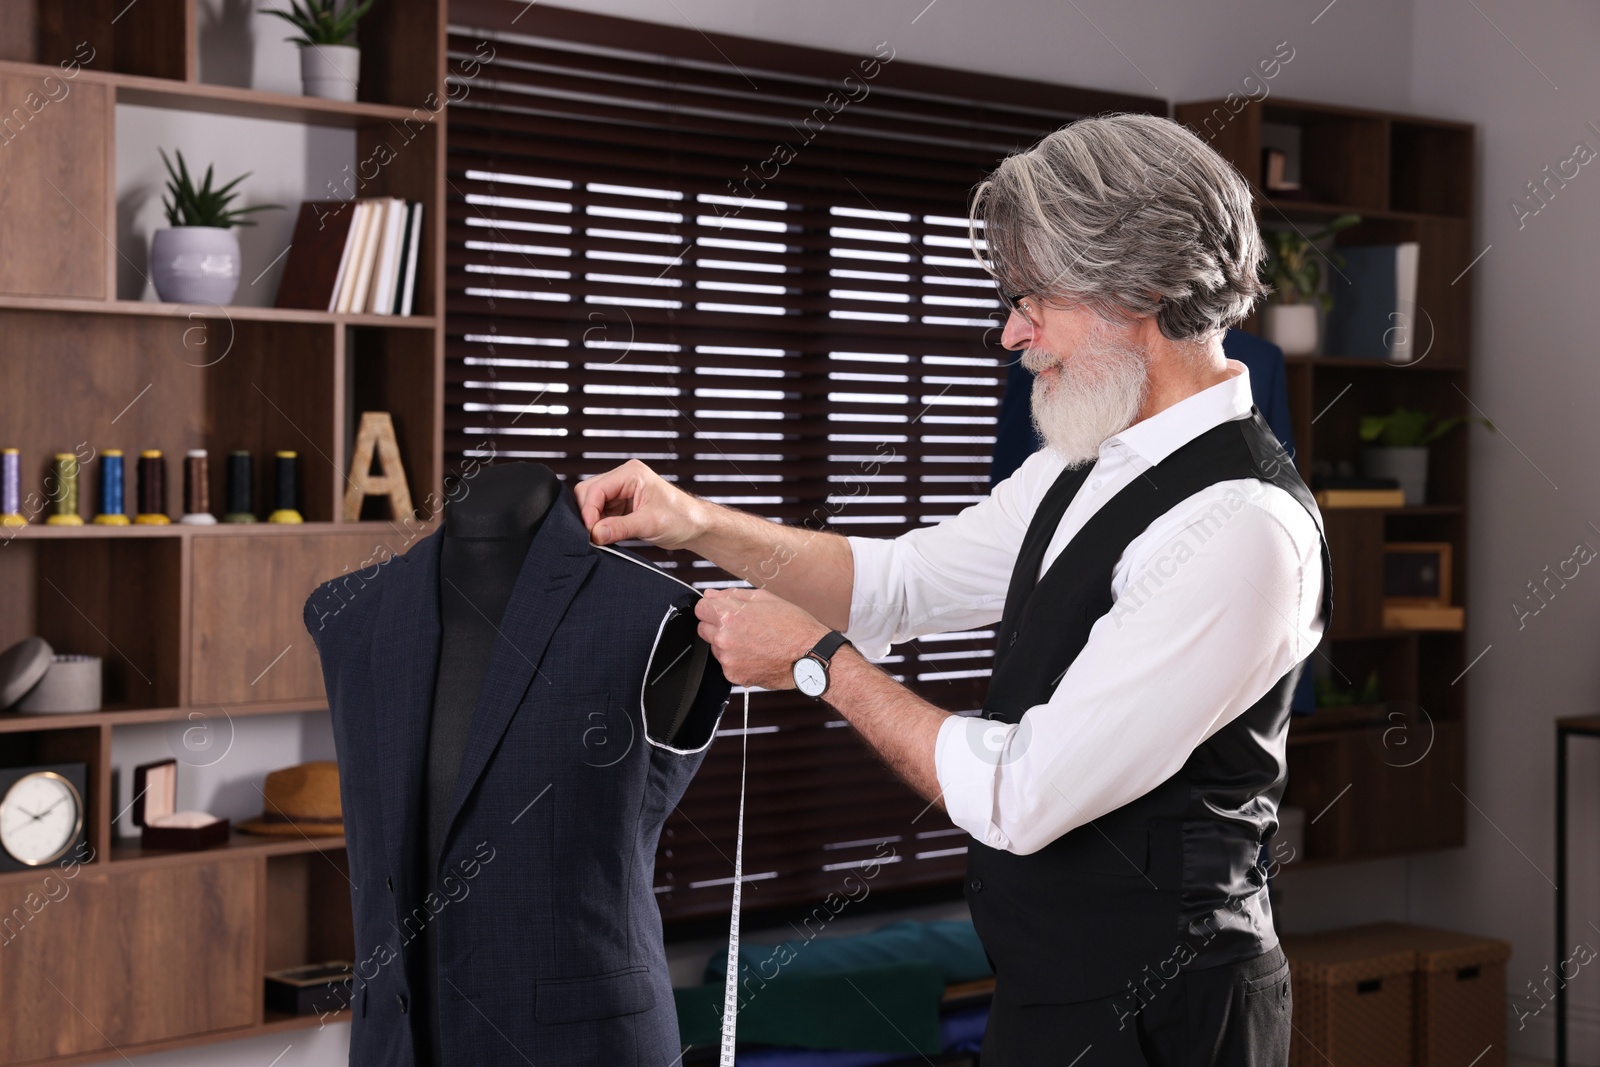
[
  {"x": 187, "y": 206},
  {"x": 1404, "y": 428},
  {"x": 322, "y": 21},
  {"x": 1292, "y": 267}
]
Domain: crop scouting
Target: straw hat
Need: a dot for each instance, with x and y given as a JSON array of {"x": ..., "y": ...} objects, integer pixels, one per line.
[{"x": 303, "y": 799}]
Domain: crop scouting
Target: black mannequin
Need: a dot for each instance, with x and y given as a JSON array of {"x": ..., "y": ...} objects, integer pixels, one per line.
[{"x": 487, "y": 533}]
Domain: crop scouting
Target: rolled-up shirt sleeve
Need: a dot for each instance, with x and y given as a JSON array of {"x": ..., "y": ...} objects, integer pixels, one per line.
[
  {"x": 1174, "y": 661},
  {"x": 949, "y": 576}
]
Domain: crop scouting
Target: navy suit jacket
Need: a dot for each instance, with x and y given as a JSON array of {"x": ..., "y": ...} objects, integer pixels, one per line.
[{"x": 549, "y": 936}]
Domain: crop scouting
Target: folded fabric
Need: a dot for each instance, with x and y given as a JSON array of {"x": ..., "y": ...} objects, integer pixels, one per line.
[
  {"x": 892, "y": 1008},
  {"x": 950, "y": 945},
  {"x": 959, "y": 1031}
]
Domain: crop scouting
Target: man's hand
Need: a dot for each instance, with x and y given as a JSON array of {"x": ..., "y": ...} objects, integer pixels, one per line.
[
  {"x": 633, "y": 501},
  {"x": 756, "y": 636}
]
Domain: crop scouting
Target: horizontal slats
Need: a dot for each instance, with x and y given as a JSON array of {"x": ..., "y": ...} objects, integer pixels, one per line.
[{"x": 627, "y": 274}]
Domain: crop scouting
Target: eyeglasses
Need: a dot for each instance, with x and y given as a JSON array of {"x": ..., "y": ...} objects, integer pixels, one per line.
[{"x": 1018, "y": 302}]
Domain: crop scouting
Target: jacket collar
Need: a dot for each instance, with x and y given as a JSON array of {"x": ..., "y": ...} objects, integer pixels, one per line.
[{"x": 405, "y": 660}]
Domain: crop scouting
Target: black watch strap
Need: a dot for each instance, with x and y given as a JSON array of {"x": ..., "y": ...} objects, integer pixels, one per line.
[{"x": 825, "y": 648}]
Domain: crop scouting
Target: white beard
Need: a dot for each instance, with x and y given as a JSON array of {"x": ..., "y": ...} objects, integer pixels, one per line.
[{"x": 1089, "y": 396}]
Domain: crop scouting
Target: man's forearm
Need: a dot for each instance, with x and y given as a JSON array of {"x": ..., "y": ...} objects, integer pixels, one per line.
[
  {"x": 809, "y": 568},
  {"x": 901, "y": 727}
]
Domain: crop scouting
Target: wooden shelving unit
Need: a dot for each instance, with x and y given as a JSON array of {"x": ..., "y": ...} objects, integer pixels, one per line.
[
  {"x": 150, "y": 950},
  {"x": 1379, "y": 780}
]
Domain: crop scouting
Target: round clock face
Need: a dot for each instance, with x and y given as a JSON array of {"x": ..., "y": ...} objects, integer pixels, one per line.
[
  {"x": 810, "y": 676},
  {"x": 39, "y": 818}
]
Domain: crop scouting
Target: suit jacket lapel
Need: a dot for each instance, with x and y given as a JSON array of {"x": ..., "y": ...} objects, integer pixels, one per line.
[
  {"x": 556, "y": 565},
  {"x": 405, "y": 658}
]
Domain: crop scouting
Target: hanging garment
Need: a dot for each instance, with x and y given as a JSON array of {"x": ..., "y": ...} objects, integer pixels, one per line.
[{"x": 597, "y": 707}]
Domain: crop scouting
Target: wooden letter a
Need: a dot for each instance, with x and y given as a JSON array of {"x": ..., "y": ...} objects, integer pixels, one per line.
[{"x": 377, "y": 431}]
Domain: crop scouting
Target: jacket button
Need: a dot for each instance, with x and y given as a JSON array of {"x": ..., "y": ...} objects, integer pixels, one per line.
[
  {"x": 977, "y": 885},
  {"x": 400, "y": 999},
  {"x": 1013, "y": 637}
]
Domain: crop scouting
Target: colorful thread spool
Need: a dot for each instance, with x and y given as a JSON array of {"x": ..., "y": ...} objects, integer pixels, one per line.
[
  {"x": 197, "y": 489},
  {"x": 111, "y": 483},
  {"x": 285, "y": 490},
  {"x": 241, "y": 489},
  {"x": 152, "y": 489},
  {"x": 11, "y": 488},
  {"x": 64, "y": 472}
]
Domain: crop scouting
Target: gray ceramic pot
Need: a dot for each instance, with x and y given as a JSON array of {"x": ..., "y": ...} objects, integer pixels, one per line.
[{"x": 195, "y": 264}]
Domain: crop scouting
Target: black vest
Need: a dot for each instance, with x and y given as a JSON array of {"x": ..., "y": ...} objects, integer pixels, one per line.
[{"x": 1172, "y": 878}]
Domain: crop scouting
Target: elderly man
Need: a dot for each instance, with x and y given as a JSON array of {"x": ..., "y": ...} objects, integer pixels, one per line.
[{"x": 1156, "y": 578}]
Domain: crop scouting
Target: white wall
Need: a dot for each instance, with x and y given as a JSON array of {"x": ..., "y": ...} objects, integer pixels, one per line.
[{"x": 1530, "y": 82}]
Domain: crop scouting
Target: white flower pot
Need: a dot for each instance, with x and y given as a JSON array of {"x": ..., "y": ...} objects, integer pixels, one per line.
[
  {"x": 195, "y": 264},
  {"x": 330, "y": 71},
  {"x": 1293, "y": 328},
  {"x": 1408, "y": 466}
]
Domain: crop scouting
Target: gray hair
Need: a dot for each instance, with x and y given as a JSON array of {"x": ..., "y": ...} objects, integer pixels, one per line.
[{"x": 1128, "y": 215}]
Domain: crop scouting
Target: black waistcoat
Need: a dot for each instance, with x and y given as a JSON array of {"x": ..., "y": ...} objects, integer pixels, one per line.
[{"x": 1172, "y": 878}]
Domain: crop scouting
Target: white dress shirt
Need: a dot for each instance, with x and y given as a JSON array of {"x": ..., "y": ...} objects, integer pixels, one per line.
[{"x": 1212, "y": 604}]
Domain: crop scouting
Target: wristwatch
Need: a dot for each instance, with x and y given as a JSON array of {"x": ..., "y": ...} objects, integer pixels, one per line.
[{"x": 811, "y": 669}]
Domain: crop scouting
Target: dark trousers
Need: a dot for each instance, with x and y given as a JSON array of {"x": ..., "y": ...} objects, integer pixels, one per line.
[{"x": 1234, "y": 1015}]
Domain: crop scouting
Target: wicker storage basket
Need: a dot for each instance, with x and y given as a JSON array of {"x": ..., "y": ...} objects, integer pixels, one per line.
[
  {"x": 1353, "y": 999},
  {"x": 1460, "y": 996}
]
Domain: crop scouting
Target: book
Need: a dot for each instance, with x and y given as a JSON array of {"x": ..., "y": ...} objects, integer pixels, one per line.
[
  {"x": 386, "y": 262},
  {"x": 1423, "y": 617},
  {"x": 317, "y": 253},
  {"x": 408, "y": 290},
  {"x": 353, "y": 253},
  {"x": 366, "y": 257},
  {"x": 1361, "y": 498},
  {"x": 1374, "y": 302},
  {"x": 400, "y": 267}
]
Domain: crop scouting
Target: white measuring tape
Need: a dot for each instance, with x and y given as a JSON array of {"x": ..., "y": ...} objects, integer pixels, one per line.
[{"x": 730, "y": 988}]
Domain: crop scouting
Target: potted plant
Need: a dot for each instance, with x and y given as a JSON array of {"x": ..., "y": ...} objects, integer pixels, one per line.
[
  {"x": 196, "y": 259},
  {"x": 1293, "y": 271},
  {"x": 1401, "y": 444},
  {"x": 329, "y": 68}
]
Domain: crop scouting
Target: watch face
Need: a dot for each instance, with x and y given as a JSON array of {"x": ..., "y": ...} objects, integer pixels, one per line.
[
  {"x": 810, "y": 676},
  {"x": 39, "y": 818}
]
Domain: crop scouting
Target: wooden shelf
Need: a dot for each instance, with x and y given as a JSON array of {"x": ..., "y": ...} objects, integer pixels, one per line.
[
  {"x": 191, "y": 621},
  {"x": 91, "y": 531},
  {"x": 1409, "y": 178},
  {"x": 1354, "y": 363},
  {"x": 273, "y": 1023},
  {"x": 13, "y": 722},
  {"x": 157, "y": 309},
  {"x": 231, "y": 100},
  {"x": 1292, "y": 207},
  {"x": 128, "y": 853}
]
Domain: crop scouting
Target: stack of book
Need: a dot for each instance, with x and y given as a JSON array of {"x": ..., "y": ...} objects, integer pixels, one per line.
[{"x": 354, "y": 256}]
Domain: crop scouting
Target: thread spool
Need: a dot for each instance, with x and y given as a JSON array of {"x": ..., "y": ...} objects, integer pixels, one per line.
[
  {"x": 112, "y": 512},
  {"x": 64, "y": 495},
  {"x": 11, "y": 488},
  {"x": 152, "y": 489},
  {"x": 285, "y": 489},
  {"x": 197, "y": 489},
  {"x": 241, "y": 489}
]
